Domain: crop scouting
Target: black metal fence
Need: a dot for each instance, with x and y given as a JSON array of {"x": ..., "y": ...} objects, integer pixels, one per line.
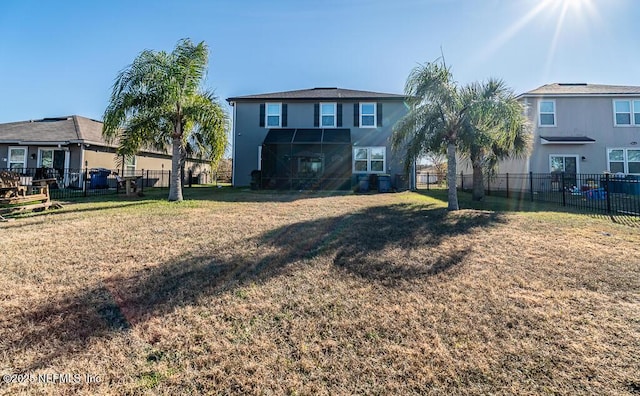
[
  {"x": 600, "y": 193},
  {"x": 75, "y": 183}
]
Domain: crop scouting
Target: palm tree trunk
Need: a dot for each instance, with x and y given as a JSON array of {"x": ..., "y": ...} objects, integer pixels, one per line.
[
  {"x": 451, "y": 177},
  {"x": 175, "y": 184},
  {"x": 478, "y": 182}
]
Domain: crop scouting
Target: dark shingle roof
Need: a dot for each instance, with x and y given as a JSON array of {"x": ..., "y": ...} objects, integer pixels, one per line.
[
  {"x": 319, "y": 93},
  {"x": 582, "y": 89},
  {"x": 63, "y": 130}
]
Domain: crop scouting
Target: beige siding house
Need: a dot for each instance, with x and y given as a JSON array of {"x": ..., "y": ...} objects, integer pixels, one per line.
[
  {"x": 579, "y": 129},
  {"x": 68, "y": 145}
]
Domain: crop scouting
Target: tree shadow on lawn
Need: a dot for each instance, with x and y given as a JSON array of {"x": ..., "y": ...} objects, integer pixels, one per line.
[
  {"x": 55, "y": 212},
  {"x": 374, "y": 244},
  {"x": 241, "y": 194}
]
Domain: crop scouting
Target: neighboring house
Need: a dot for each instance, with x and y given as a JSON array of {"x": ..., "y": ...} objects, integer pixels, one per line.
[
  {"x": 578, "y": 128},
  {"x": 68, "y": 145},
  {"x": 320, "y": 138},
  {"x": 582, "y": 128}
]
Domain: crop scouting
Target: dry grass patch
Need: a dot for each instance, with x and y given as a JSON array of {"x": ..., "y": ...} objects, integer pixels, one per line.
[{"x": 244, "y": 292}]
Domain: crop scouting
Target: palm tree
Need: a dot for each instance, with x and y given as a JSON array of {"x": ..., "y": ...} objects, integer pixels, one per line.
[
  {"x": 157, "y": 102},
  {"x": 436, "y": 117},
  {"x": 499, "y": 130}
]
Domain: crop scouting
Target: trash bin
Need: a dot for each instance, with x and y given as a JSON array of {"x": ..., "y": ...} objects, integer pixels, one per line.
[
  {"x": 98, "y": 178},
  {"x": 632, "y": 185},
  {"x": 384, "y": 183},
  {"x": 363, "y": 183}
]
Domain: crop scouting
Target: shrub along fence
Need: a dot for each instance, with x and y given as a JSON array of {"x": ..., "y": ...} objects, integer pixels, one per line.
[
  {"x": 600, "y": 193},
  {"x": 73, "y": 183}
]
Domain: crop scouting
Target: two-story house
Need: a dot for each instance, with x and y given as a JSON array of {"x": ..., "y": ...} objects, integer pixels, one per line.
[
  {"x": 320, "y": 138},
  {"x": 583, "y": 128}
]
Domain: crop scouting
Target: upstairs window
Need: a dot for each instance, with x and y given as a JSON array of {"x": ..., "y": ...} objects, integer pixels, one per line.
[
  {"x": 622, "y": 110},
  {"x": 367, "y": 115},
  {"x": 328, "y": 115},
  {"x": 547, "y": 113},
  {"x": 626, "y": 112},
  {"x": 274, "y": 115}
]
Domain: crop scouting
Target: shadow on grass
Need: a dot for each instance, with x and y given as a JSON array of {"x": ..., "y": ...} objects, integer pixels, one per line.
[
  {"x": 66, "y": 210},
  {"x": 375, "y": 245}
]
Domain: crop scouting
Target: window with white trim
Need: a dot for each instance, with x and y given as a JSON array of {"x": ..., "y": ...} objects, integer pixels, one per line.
[
  {"x": 624, "y": 160},
  {"x": 563, "y": 163},
  {"x": 547, "y": 113},
  {"x": 328, "y": 115},
  {"x": 17, "y": 158},
  {"x": 129, "y": 165},
  {"x": 273, "y": 115},
  {"x": 369, "y": 159},
  {"x": 367, "y": 115},
  {"x": 626, "y": 112}
]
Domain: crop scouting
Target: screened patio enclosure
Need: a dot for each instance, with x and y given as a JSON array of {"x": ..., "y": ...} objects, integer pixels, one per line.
[{"x": 307, "y": 159}]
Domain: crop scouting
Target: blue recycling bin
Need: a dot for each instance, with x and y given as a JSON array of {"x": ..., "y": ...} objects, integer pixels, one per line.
[
  {"x": 384, "y": 183},
  {"x": 98, "y": 178}
]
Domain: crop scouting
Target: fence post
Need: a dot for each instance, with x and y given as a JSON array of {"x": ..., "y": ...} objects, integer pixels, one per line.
[
  {"x": 564, "y": 198},
  {"x": 169, "y": 182},
  {"x": 428, "y": 179},
  {"x": 507, "y": 185},
  {"x": 488, "y": 185},
  {"x": 190, "y": 178},
  {"x": 607, "y": 193},
  {"x": 461, "y": 181},
  {"x": 84, "y": 182},
  {"x": 142, "y": 181},
  {"x": 531, "y": 185}
]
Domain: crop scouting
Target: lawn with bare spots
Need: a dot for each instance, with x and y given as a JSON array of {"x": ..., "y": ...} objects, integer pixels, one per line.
[{"x": 239, "y": 292}]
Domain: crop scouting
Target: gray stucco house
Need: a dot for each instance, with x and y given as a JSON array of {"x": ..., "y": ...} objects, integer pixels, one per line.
[
  {"x": 320, "y": 138},
  {"x": 582, "y": 128}
]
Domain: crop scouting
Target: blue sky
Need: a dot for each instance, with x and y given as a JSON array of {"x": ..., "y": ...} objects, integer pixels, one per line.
[{"x": 61, "y": 57}]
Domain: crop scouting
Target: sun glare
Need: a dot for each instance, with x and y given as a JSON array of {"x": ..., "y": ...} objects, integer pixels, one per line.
[{"x": 566, "y": 13}]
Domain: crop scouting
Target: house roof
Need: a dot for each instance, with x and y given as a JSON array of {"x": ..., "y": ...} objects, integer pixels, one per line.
[
  {"x": 61, "y": 130},
  {"x": 582, "y": 89},
  {"x": 318, "y": 94}
]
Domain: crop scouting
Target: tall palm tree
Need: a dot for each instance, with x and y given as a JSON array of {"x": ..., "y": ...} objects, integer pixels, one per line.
[
  {"x": 499, "y": 130},
  {"x": 157, "y": 102},
  {"x": 435, "y": 119}
]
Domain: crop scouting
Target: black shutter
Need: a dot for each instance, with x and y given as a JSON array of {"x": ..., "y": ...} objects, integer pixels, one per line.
[
  {"x": 339, "y": 120},
  {"x": 379, "y": 113},
  {"x": 316, "y": 115},
  {"x": 356, "y": 114},
  {"x": 261, "y": 114},
  {"x": 284, "y": 114}
]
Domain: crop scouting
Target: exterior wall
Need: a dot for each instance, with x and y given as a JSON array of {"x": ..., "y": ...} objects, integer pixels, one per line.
[
  {"x": 581, "y": 116},
  {"x": 100, "y": 157},
  {"x": 32, "y": 151},
  {"x": 249, "y": 135}
]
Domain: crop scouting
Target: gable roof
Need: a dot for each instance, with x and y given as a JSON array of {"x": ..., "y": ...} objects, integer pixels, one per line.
[
  {"x": 318, "y": 94},
  {"x": 61, "y": 130},
  {"x": 582, "y": 89}
]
